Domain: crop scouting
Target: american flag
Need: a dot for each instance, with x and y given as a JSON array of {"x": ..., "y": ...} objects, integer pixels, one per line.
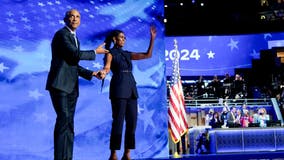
[{"x": 177, "y": 115}]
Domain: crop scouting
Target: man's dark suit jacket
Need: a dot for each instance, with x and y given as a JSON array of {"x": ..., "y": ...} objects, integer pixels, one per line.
[{"x": 65, "y": 68}]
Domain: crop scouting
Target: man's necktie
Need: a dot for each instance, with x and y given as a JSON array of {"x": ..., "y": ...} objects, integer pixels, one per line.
[{"x": 74, "y": 35}]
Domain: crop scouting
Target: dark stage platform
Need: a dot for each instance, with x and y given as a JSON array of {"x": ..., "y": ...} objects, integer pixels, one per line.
[{"x": 234, "y": 156}]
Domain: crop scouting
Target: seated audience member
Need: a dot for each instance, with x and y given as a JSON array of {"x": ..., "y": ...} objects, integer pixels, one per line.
[
  {"x": 227, "y": 79},
  {"x": 255, "y": 116},
  {"x": 238, "y": 118},
  {"x": 238, "y": 88},
  {"x": 215, "y": 121},
  {"x": 246, "y": 119},
  {"x": 209, "y": 116},
  {"x": 231, "y": 118},
  {"x": 227, "y": 83},
  {"x": 244, "y": 108},
  {"x": 223, "y": 116},
  {"x": 215, "y": 87},
  {"x": 263, "y": 117},
  {"x": 200, "y": 85}
]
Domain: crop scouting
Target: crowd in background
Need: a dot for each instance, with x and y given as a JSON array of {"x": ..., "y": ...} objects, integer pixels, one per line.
[
  {"x": 231, "y": 87},
  {"x": 228, "y": 87},
  {"x": 232, "y": 117}
]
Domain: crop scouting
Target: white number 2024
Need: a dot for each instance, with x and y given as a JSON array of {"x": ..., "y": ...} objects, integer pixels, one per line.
[{"x": 183, "y": 55}]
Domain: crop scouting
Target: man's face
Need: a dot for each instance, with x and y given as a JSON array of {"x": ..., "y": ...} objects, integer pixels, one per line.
[{"x": 73, "y": 20}]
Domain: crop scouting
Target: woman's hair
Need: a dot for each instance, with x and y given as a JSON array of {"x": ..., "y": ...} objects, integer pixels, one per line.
[
  {"x": 109, "y": 37},
  {"x": 109, "y": 40}
]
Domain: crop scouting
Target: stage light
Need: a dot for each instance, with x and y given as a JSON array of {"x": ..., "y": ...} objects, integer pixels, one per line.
[{"x": 262, "y": 17}]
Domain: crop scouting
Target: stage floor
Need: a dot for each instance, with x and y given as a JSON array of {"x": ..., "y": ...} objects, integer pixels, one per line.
[{"x": 234, "y": 156}]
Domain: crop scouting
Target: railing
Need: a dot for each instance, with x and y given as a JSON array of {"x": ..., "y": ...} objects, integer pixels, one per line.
[{"x": 230, "y": 102}]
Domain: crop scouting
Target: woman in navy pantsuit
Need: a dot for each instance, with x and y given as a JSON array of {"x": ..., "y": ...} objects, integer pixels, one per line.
[{"x": 123, "y": 91}]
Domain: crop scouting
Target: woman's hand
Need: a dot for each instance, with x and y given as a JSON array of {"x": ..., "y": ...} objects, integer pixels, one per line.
[
  {"x": 153, "y": 31},
  {"x": 100, "y": 74}
]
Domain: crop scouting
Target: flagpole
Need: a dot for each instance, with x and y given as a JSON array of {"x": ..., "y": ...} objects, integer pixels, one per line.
[
  {"x": 177, "y": 116},
  {"x": 176, "y": 154}
]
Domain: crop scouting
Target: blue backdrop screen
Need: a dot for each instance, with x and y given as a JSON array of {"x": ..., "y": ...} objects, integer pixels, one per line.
[
  {"x": 218, "y": 55},
  {"x": 26, "y": 114}
]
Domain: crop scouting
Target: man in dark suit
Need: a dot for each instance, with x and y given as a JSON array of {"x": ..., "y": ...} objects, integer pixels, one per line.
[{"x": 62, "y": 81}]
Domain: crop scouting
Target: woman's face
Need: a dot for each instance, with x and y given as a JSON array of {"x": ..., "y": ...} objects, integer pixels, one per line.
[
  {"x": 216, "y": 115},
  {"x": 120, "y": 40}
]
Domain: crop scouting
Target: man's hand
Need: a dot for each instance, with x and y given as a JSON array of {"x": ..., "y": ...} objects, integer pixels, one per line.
[
  {"x": 101, "y": 50},
  {"x": 100, "y": 74}
]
